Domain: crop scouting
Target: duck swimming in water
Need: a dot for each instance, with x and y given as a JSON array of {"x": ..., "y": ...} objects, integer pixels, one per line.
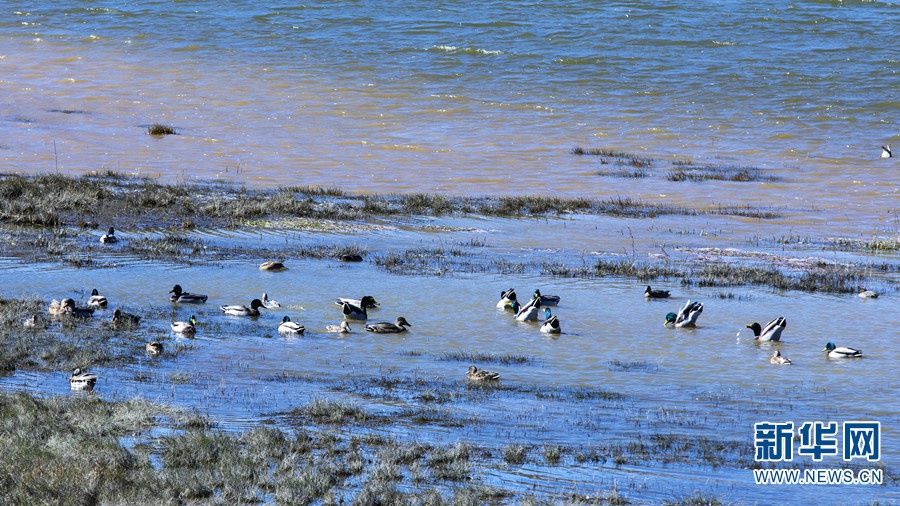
[
  {"x": 269, "y": 303},
  {"x": 546, "y": 300},
  {"x": 97, "y": 301},
  {"x": 477, "y": 375},
  {"x": 82, "y": 380},
  {"x": 343, "y": 328},
  {"x": 187, "y": 328},
  {"x": 367, "y": 301},
  {"x": 551, "y": 326},
  {"x": 154, "y": 348},
  {"x": 656, "y": 294},
  {"x": 109, "y": 237},
  {"x": 772, "y": 330},
  {"x": 121, "y": 318},
  {"x": 833, "y": 351},
  {"x": 238, "y": 310},
  {"x": 272, "y": 266},
  {"x": 354, "y": 313},
  {"x": 686, "y": 317},
  {"x": 530, "y": 311},
  {"x": 289, "y": 327},
  {"x": 389, "y": 328},
  {"x": 182, "y": 297},
  {"x": 779, "y": 359},
  {"x": 507, "y": 298}
]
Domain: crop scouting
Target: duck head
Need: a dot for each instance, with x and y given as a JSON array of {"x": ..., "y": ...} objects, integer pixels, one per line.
[
  {"x": 648, "y": 290},
  {"x": 368, "y": 302},
  {"x": 537, "y": 294},
  {"x": 286, "y": 319},
  {"x": 755, "y": 327},
  {"x": 117, "y": 314},
  {"x": 509, "y": 294},
  {"x": 68, "y": 303},
  {"x": 829, "y": 347},
  {"x": 515, "y": 306},
  {"x": 472, "y": 369},
  {"x": 111, "y": 231},
  {"x": 176, "y": 290},
  {"x": 670, "y": 318},
  {"x": 401, "y": 321},
  {"x": 193, "y": 321},
  {"x": 256, "y": 304},
  {"x": 94, "y": 292},
  {"x": 76, "y": 372}
]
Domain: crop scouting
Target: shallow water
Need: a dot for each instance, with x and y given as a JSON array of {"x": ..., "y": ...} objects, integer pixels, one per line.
[{"x": 713, "y": 381}]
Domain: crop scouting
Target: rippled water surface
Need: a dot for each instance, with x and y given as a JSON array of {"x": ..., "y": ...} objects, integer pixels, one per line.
[{"x": 416, "y": 97}]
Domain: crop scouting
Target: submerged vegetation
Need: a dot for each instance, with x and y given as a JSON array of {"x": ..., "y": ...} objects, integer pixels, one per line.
[
  {"x": 684, "y": 172},
  {"x": 158, "y": 129}
]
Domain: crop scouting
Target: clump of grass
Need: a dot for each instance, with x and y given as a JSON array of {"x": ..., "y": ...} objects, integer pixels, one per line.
[
  {"x": 450, "y": 463},
  {"x": 159, "y": 129},
  {"x": 514, "y": 454},
  {"x": 684, "y": 172},
  {"x": 628, "y": 269},
  {"x": 553, "y": 454},
  {"x": 331, "y": 412},
  {"x": 465, "y": 356},
  {"x": 624, "y": 173},
  {"x": 629, "y": 158},
  {"x": 635, "y": 365},
  {"x": 875, "y": 245},
  {"x": 168, "y": 247}
]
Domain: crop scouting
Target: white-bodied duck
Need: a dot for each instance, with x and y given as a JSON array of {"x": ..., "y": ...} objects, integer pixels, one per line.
[
  {"x": 97, "y": 301},
  {"x": 389, "y": 328},
  {"x": 289, "y": 327},
  {"x": 239, "y": 310},
  {"x": 187, "y": 328},
  {"x": 343, "y": 328},
  {"x": 272, "y": 266},
  {"x": 507, "y": 298},
  {"x": 833, "y": 351},
  {"x": 109, "y": 237},
  {"x": 269, "y": 303},
  {"x": 771, "y": 332},
  {"x": 529, "y": 312},
  {"x": 180, "y": 296},
  {"x": 686, "y": 316},
  {"x": 82, "y": 380}
]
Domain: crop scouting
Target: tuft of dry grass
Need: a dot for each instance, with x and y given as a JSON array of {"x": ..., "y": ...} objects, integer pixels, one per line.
[{"x": 159, "y": 130}]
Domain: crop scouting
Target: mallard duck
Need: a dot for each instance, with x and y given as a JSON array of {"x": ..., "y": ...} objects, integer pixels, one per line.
[
  {"x": 507, "y": 298},
  {"x": 353, "y": 312},
  {"x": 530, "y": 311},
  {"x": 154, "y": 348},
  {"x": 686, "y": 316},
  {"x": 289, "y": 327},
  {"x": 122, "y": 318},
  {"x": 551, "y": 326},
  {"x": 772, "y": 331},
  {"x": 82, "y": 380},
  {"x": 343, "y": 328},
  {"x": 182, "y": 297},
  {"x": 389, "y": 328},
  {"x": 779, "y": 359},
  {"x": 109, "y": 237},
  {"x": 272, "y": 266},
  {"x": 546, "y": 300},
  {"x": 833, "y": 351},
  {"x": 60, "y": 307},
  {"x": 237, "y": 310},
  {"x": 351, "y": 257},
  {"x": 30, "y": 322},
  {"x": 269, "y": 303},
  {"x": 367, "y": 302},
  {"x": 656, "y": 294},
  {"x": 886, "y": 151},
  {"x": 868, "y": 294},
  {"x": 481, "y": 376},
  {"x": 97, "y": 301},
  {"x": 187, "y": 328}
]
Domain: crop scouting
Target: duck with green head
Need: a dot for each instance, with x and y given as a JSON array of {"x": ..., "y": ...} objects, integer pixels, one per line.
[{"x": 833, "y": 351}]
